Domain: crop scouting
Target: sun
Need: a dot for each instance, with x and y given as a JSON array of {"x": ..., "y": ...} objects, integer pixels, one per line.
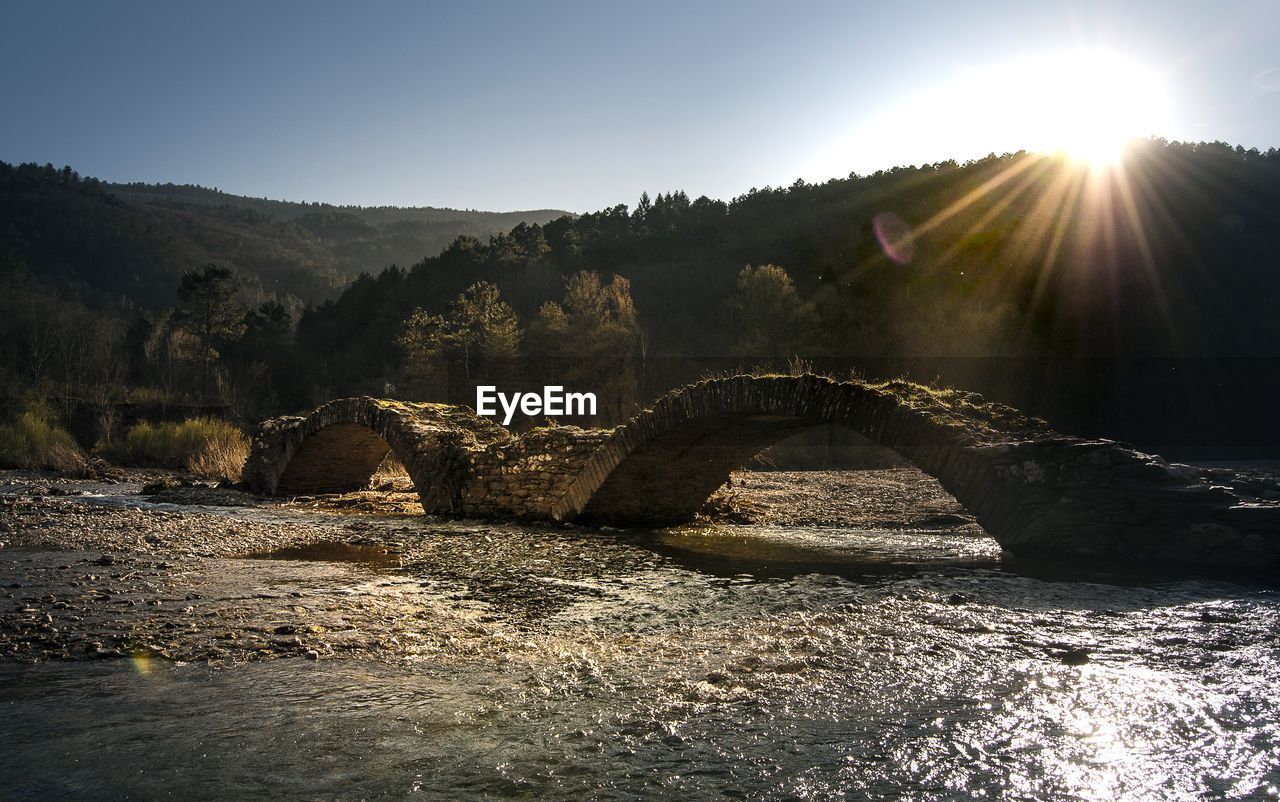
[
  {"x": 1084, "y": 105},
  {"x": 1087, "y": 105}
]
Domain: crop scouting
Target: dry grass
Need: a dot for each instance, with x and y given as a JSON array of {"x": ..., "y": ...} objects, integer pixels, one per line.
[
  {"x": 794, "y": 366},
  {"x": 204, "y": 446},
  {"x": 149, "y": 395},
  {"x": 35, "y": 441},
  {"x": 221, "y": 458},
  {"x": 391, "y": 475}
]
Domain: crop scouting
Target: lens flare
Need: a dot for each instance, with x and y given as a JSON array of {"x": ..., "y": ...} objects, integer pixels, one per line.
[{"x": 895, "y": 237}]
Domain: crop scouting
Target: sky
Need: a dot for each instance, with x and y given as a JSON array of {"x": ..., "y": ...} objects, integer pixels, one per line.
[{"x": 583, "y": 105}]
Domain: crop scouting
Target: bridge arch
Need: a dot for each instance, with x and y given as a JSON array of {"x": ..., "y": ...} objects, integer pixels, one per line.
[
  {"x": 337, "y": 448},
  {"x": 661, "y": 466}
]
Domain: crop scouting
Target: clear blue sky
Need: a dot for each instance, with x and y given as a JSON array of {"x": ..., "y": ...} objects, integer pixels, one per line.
[{"x": 574, "y": 105}]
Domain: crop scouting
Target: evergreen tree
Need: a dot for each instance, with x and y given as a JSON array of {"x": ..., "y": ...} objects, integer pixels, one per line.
[
  {"x": 424, "y": 341},
  {"x": 478, "y": 339},
  {"x": 591, "y": 339},
  {"x": 210, "y": 310}
]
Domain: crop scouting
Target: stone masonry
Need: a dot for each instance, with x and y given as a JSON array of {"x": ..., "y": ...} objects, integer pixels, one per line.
[{"x": 1037, "y": 492}]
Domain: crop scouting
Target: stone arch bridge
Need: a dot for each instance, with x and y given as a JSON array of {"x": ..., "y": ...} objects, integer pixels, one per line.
[{"x": 1034, "y": 490}]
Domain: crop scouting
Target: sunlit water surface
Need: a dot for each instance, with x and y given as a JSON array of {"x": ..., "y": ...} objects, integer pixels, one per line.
[{"x": 739, "y": 662}]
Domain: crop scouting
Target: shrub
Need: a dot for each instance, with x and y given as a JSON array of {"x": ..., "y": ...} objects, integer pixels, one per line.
[
  {"x": 35, "y": 440},
  {"x": 204, "y": 446},
  {"x": 222, "y": 457},
  {"x": 149, "y": 396}
]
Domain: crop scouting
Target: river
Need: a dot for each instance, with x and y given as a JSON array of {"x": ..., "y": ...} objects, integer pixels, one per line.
[{"x": 729, "y": 661}]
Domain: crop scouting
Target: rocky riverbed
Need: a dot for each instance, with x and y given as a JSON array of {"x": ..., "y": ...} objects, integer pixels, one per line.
[
  {"x": 149, "y": 565},
  {"x": 895, "y": 654},
  {"x": 158, "y": 566}
]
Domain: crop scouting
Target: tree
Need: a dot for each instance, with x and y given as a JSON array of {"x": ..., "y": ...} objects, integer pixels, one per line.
[
  {"x": 210, "y": 310},
  {"x": 591, "y": 339},
  {"x": 772, "y": 321},
  {"x": 478, "y": 336},
  {"x": 485, "y": 330},
  {"x": 424, "y": 341},
  {"x": 526, "y": 244},
  {"x": 262, "y": 366},
  {"x": 549, "y": 335},
  {"x": 168, "y": 352}
]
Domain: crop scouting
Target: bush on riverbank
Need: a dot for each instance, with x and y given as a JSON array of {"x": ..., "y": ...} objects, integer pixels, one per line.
[
  {"x": 35, "y": 441},
  {"x": 204, "y": 446}
]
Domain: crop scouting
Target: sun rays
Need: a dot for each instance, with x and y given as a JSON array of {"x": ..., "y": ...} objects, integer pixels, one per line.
[
  {"x": 1082, "y": 233},
  {"x": 1074, "y": 207}
]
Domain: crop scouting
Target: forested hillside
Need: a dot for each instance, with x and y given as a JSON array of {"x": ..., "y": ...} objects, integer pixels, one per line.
[
  {"x": 1093, "y": 297},
  {"x": 1137, "y": 302},
  {"x": 1175, "y": 254},
  {"x": 132, "y": 242}
]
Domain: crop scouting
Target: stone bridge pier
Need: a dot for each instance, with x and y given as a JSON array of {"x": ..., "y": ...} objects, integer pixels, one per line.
[{"x": 1037, "y": 492}]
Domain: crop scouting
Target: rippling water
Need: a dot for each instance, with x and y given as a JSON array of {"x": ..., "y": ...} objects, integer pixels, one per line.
[{"x": 741, "y": 662}]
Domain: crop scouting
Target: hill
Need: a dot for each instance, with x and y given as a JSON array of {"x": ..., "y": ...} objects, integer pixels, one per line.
[
  {"x": 193, "y": 195},
  {"x": 107, "y": 242}
]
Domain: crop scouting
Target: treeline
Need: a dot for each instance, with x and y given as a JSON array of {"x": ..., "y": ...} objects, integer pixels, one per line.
[
  {"x": 194, "y": 196},
  {"x": 211, "y": 350},
  {"x": 1017, "y": 254},
  {"x": 214, "y": 348}
]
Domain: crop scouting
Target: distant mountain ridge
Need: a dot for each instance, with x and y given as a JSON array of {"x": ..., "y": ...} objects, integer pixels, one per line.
[
  {"x": 194, "y": 194},
  {"x": 132, "y": 242}
]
